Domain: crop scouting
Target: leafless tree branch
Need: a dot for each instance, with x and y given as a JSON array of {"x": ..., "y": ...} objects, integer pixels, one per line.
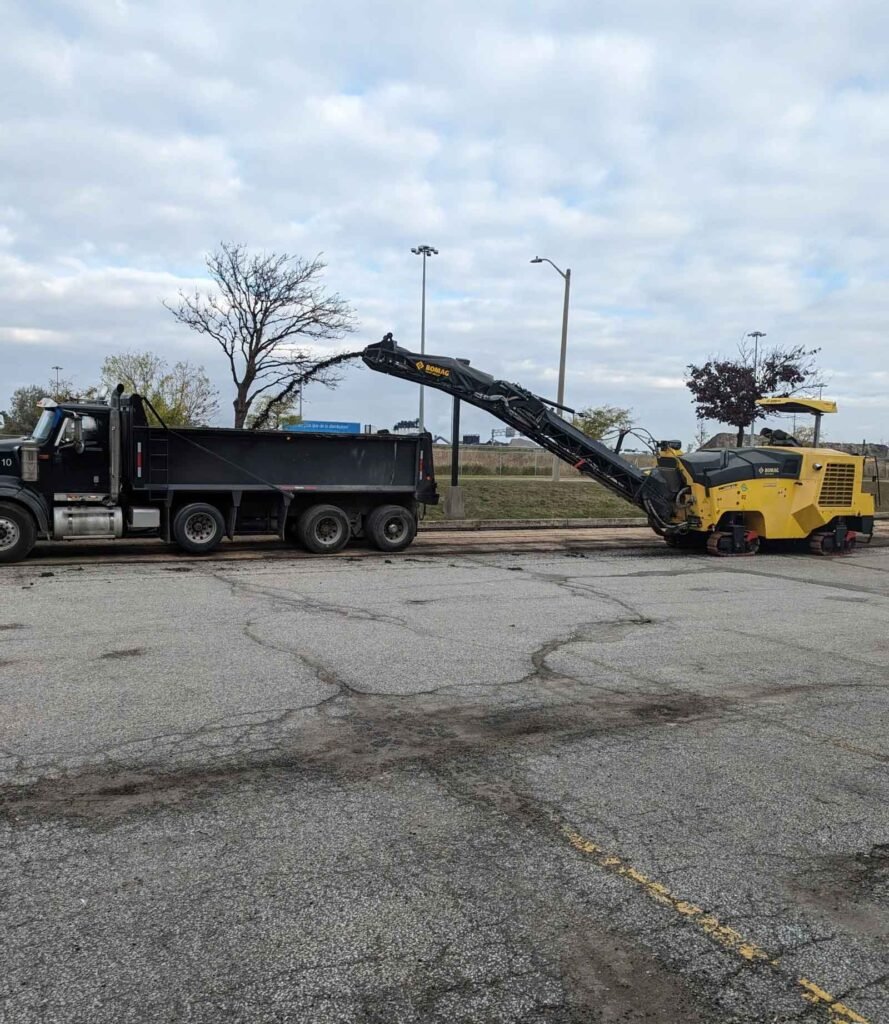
[{"x": 264, "y": 305}]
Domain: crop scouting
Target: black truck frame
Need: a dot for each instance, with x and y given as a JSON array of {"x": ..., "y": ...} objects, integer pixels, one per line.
[{"x": 101, "y": 470}]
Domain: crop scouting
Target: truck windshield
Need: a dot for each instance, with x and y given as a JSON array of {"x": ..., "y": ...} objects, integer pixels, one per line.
[{"x": 44, "y": 425}]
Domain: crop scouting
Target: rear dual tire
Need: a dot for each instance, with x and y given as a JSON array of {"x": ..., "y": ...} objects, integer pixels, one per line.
[
  {"x": 390, "y": 527},
  {"x": 324, "y": 529}
]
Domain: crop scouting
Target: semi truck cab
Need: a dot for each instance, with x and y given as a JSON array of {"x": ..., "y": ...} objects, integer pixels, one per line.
[
  {"x": 64, "y": 479},
  {"x": 74, "y": 452}
]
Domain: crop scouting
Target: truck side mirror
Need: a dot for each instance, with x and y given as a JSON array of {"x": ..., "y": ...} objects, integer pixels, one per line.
[
  {"x": 79, "y": 445},
  {"x": 78, "y": 442}
]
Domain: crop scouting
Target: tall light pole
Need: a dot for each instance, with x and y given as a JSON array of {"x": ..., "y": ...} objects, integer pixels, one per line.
[
  {"x": 57, "y": 368},
  {"x": 756, "y": 335},
  {"x": 560, "y": 398},
  {"x": 425, "y": 251}
]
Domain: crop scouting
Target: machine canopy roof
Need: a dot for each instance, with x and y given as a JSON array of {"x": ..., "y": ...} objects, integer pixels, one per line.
[{"x": 810, "y": 405}]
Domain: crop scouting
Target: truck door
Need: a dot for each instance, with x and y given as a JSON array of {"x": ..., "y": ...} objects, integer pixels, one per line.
[{"x": 83, "y": 471}]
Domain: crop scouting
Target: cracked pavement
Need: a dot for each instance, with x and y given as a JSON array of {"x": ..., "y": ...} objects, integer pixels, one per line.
[{"x": 339, "y": 789}]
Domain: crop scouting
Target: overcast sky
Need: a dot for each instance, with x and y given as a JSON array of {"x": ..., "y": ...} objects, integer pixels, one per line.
[{"x": 705, "y": 170}]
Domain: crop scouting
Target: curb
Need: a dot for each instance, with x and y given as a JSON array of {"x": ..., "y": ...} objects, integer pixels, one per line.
[
  {"x": 547, "y": 524},
  {"x": 529, "y": 524}
]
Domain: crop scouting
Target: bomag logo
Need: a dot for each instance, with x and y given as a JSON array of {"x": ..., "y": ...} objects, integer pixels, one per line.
[{"x": 435, "y": 371}]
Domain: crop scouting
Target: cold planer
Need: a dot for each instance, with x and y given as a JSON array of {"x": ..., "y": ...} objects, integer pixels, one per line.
[{"x": 726, "y": 500}]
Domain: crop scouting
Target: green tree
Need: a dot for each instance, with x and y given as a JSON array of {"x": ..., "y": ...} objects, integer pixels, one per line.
[
  {"x": 273, "y": 414},
  {"x": 24, "y": 411},
  {"x": 182, "y": 393},
  {"x": 598, "y": 420}
]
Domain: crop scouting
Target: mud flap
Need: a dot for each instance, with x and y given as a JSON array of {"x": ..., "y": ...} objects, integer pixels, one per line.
[{"x": 283, "y": 509}]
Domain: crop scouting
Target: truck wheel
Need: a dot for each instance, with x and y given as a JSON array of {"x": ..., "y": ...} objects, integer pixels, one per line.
[
  {"x": 198, "y": 528},
  {"x": 324, "y": 529},
  {"x": 391, "y": 527},
  {"x": 18, "y": 532}
]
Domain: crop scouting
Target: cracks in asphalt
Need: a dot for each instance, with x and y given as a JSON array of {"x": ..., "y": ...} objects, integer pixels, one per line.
[
  {"x": 316, "y": 606},
  {"x": 310, "y": 605},
  {"x": 811, "y": 581},
  {"x": 354, "y": 734},
  {"x": 570, "y": 582},
  {"x": 370, "y": 735},
  {"x": 323, "y": 673},
  {"x": 349, "y": 729}
]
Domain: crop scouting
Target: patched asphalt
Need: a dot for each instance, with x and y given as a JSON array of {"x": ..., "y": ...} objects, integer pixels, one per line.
[{"x": 567, "y": 785}]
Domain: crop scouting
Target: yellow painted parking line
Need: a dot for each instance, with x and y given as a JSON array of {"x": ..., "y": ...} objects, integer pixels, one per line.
[
  {"x": 720, "y": 933},
  {"x": 839, "y": 1012}
]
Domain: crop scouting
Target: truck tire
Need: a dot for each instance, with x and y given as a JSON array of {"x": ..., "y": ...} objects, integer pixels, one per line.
[
  {"x": 324, "y": 529},
  {"x": 391, "y": 527},
  {"x": 18, "y": 532},
  {"x": 198, "y": 528}
]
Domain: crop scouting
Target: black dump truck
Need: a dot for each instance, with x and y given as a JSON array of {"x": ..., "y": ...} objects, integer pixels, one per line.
[{"x": 100, "y": 470}]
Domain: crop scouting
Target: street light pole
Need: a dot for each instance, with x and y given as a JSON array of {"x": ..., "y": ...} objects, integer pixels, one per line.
[
  {"x": 756, "y": 335},
  {"x": 424, "y": 251},
  {"x": 57, "y": 368},
  {"x": 560, "y": 397}
]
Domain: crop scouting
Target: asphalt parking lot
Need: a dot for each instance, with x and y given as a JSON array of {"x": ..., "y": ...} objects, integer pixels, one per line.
[{"x": 513, "y": 786}]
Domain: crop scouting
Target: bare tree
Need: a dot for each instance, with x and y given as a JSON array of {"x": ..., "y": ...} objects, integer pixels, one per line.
[{"x": 266, "y": 305}]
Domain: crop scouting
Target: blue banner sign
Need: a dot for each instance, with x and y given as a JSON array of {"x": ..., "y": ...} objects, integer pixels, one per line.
[{"x": 325, "y": 427}]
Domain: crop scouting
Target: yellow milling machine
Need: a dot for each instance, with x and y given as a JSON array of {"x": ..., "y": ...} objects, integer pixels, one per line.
[
  {"x": 782, "y": 490},
  {"x": 724, "y": 499}
]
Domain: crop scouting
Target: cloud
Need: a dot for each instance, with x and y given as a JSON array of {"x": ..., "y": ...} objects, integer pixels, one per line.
[
  {"x": 30, "y": 336},
  {"x": 705, "y": 170}
]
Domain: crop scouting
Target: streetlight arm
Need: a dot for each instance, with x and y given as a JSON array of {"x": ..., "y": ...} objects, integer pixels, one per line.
[{"x": 544, "y": 259}]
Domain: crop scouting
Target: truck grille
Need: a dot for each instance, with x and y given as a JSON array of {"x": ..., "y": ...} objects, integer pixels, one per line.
[{"x": 838, "y": 485}]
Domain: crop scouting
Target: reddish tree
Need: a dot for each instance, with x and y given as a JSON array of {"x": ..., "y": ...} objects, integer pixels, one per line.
[{"x": 726, "y": 390}]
